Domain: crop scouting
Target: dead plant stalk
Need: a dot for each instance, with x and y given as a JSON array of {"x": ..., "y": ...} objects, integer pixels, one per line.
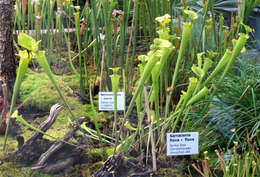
[{"x": 150, "y": 128}]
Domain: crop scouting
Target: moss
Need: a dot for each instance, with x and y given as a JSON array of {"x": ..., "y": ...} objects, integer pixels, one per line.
[
  {"x": 8, "y": 169},
  {"x": 102, "y": 118},
  {"x": 96, "y": 166},
  {"x": 86, "y": 170},
  {"x": 96, "y": 154},
  {"x": 99, "y": 154},
  {"x": 109, "y": 151},
  {"x": 43, "y": 94},
  {"x": 169, "y": 172},
  {"x": 10, "y": 146}
]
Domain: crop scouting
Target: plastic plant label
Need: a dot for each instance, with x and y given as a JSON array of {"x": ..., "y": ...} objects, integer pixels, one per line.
[
  {"x": 182, "y": 143},
  {"x": 106, "y": 101}
]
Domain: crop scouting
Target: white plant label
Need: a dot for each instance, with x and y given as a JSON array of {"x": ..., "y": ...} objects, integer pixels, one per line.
[
  {"x": 182, "y": 143},
  {"x": 106, "y": 101}
]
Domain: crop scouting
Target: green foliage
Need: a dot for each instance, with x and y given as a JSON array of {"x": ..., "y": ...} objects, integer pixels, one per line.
[
  {"x": 234, "y": 109},
  {"x": 115, "y": 87},
  {"x": 241, "y": 92},
  {"x": 204, "y": 84},
  {"x": 30, "y": 46},
  {"x": 179, "y": 86},
  {"x": 77, "y": 23},
  {"x": 232, "y": 163}
]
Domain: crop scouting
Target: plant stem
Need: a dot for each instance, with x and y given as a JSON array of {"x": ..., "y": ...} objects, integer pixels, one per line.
[{"x": 150, "y": 128}]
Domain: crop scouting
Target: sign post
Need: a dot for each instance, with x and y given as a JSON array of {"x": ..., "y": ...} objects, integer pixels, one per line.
[
  {"x": 182, "y": 143},
  {"x": 106, "y": 101}
]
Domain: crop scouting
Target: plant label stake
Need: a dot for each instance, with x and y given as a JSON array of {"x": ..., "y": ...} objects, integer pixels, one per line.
[
  {"x": 182, "y": 143},
  {"x": 106, "y": 101}
]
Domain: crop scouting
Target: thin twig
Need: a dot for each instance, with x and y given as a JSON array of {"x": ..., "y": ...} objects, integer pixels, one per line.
[
  {"x": 150, "y": 128},
  {"x": 102, "y": 67},
  {"x": 4, "y": 87},
  {"x": 244, "y": 92}
]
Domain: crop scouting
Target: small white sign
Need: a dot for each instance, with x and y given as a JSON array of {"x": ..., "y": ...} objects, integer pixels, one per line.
[
  {"x": 182, "y": 143},
  {"x": 106, "y": 101}
]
